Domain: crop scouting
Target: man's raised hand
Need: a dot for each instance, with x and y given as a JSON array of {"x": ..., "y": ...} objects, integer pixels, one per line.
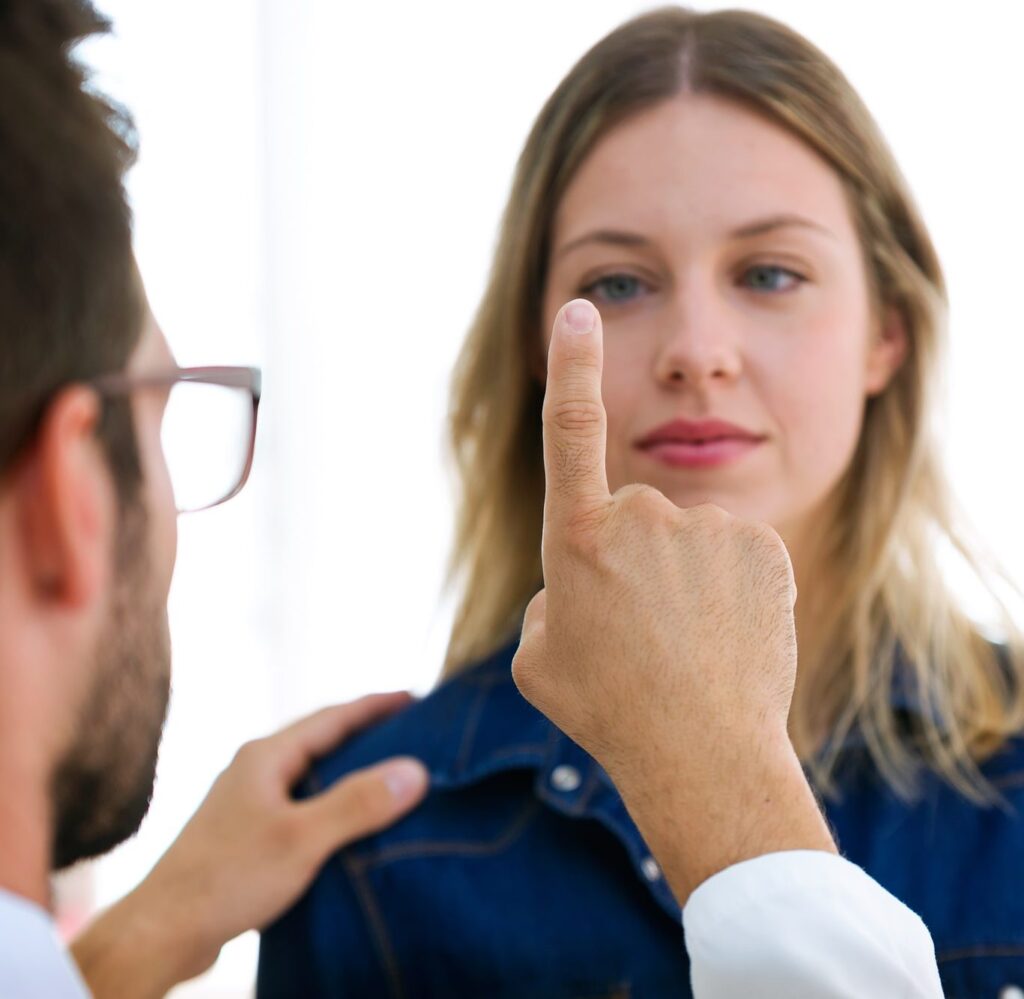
[{"x": 664, "y": 639}]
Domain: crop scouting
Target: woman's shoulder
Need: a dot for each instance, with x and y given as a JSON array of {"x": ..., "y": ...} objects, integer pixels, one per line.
[{"x": 454, "y": 730}]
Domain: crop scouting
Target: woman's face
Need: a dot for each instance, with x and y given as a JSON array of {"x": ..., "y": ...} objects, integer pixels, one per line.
[{"x": 739, "y": 339}]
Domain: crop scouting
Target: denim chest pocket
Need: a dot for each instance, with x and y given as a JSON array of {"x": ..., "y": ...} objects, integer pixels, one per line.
[
  {"x": 983, "y": 973},
  {"x": 538, "y": 906}
]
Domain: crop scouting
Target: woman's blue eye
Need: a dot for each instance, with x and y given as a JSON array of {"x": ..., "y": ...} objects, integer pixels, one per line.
[
  {"x": 768, "y": 277},
  {"x": 615, "y": 287}
]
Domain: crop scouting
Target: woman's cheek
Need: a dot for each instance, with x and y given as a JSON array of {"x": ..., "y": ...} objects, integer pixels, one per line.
[{"x": 822, "y": 413}]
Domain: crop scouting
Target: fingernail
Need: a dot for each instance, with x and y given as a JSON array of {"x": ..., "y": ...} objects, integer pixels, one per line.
[
  {"x": 405, "y": 779},
  {"x": 579, "y": 316}
]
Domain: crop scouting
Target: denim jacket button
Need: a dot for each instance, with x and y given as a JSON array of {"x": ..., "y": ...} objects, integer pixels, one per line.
[
  {"x": 1011, "y": 992},
  {"x": 565, "y": 778},
  {"x": 650, "y": 869}
]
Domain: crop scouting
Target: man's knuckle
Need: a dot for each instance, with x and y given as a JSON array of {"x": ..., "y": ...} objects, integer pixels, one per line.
[
  {"x": 250, "y": 754},
  {"x": 711, "y": 516},
  {"x": 521, "y": 665},
  {"x": 642, "y": 500},
  {"x": 534, "y": 611},
  {"x": 368, "y": 797},
  {"x": 525, "y": 672},
  {"x": 767, "y": 542},
  {"x": 576, "y": 416}
]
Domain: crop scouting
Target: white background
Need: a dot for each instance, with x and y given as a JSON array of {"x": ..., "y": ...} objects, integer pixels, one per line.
[{"x": 318, "y": 192}]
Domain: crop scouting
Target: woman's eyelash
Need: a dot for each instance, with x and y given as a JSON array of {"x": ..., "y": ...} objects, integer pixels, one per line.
[{"x": 621, "y": 287}]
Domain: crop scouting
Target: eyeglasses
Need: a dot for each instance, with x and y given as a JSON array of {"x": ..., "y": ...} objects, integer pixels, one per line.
[{"x": 208, "y": 430}]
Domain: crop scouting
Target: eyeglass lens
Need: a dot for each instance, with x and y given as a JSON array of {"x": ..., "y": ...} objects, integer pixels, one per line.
[{"x": 206, "y": 435}]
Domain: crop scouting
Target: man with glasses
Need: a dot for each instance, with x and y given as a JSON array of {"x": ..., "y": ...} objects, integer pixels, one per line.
[{"x": 103, "y": 440}]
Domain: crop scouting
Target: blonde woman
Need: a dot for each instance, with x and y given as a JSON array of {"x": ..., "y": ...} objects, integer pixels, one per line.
[{"x": 773, "y": 321}]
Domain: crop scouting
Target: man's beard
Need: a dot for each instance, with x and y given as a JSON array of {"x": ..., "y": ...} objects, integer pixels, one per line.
[{"x": 103, "y": 786}]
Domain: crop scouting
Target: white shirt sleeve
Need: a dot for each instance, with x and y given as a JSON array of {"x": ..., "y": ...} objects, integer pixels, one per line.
[
  {"x": 805, "y": 924},
  {"x": 33, "y": 962}
]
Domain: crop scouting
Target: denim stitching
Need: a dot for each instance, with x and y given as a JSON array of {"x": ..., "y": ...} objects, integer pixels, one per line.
[
  {"x": 552, "y": 743},
  {"x": 469, "y": 732},
  {"x": 528, "y": 748},
  {"x": 589, "y": 788},
  {"x": 376, "y": 920},
  {"x": 510, "y": 752},
  {"x": 434, "y": 848},
  {"x": 1010, "y": 950}
]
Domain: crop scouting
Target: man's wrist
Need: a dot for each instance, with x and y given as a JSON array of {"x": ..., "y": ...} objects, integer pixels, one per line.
[
  {"x": 701, "y": 812},
  {"x": 137, "y": 950}
]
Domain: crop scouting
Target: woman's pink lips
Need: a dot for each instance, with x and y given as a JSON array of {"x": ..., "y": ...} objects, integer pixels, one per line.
[{"x": 706, "y": 454}]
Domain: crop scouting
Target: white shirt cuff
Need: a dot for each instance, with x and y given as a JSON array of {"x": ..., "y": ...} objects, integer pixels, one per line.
[{"x": 805, "y": 924}]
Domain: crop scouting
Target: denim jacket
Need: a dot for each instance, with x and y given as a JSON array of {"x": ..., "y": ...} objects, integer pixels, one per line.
[{"x": 522, "y": 874}]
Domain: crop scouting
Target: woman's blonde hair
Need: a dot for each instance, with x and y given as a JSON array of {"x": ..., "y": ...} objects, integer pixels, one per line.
[{"x": 893, "y": 622}]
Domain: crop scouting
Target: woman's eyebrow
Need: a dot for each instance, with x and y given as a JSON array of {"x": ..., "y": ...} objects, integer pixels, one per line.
[
  {"x": 620, "y": 237},
  {"x": 610, "y": 237},
  {"x": 770, "y": 224}
]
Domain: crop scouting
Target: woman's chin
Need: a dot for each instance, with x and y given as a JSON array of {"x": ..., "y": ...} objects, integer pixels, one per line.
[
  {"x": 734, "y": 497},
  {"x": 745, "y": 507}
]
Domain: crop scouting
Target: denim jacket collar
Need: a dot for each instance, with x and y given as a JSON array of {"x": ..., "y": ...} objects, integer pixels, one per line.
[{"x": 502, "y": 731}]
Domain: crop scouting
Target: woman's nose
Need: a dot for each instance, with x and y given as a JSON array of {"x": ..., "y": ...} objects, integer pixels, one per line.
[{"x": 699, "y": 343}]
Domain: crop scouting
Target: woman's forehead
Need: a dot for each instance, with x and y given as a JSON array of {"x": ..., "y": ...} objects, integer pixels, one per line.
[{"x": 699, "y": 162}]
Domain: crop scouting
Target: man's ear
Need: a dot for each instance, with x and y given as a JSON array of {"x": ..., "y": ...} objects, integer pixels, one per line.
[
  {"x": 68, "y": 503},
  {"x": 887, "y": 351}
]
